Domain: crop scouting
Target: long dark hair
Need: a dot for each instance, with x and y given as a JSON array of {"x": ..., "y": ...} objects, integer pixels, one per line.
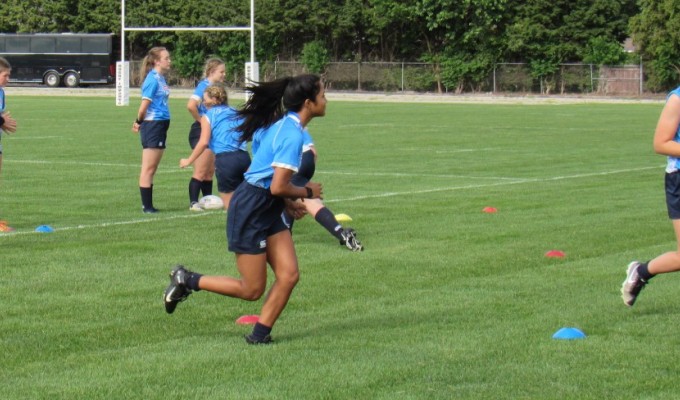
[{"x": 269, "y": 101}]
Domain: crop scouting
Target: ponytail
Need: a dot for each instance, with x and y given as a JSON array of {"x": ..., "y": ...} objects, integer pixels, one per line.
[
  {"x": 149, "y": 60},
  {"x": 269, "y": 101},
  {"x": 263, "y": 108}
]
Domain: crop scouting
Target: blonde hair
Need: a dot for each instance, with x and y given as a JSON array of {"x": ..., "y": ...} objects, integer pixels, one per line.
[
  {"x": 150, "y": 59},
  {"x": 211, "y": 65},
  {"x": 218, "y": 92},
  {"x": 4, "y": 65}
]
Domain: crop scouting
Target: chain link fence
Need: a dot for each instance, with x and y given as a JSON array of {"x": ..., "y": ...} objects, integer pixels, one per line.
[{"x": 421, "y": 78}]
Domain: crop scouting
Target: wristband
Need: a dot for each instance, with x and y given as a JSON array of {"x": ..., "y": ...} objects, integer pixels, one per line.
[
  {"x": 310, "y": 193},
  {"x": 139, "y": 122}
]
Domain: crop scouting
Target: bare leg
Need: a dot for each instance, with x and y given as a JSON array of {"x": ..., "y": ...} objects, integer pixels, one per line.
[
  {"x": 251, "y": 286},
  {"x": 283, "y": 261},
  {"x": 204, "y": 166},
  {"x": 667, "y": 262},
  {"x": 150, "y": 160}
]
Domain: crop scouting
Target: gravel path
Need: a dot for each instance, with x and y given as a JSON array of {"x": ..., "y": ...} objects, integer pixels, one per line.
[{"x": 360, "y": 96}]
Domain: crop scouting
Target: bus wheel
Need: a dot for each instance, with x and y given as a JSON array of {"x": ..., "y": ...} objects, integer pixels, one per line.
[
  {"x": 71, "y": 80},
  {"x": 51, "y": 79}
]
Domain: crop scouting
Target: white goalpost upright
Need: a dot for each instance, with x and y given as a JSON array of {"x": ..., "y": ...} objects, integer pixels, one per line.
[{"x": 252, "y": 68}]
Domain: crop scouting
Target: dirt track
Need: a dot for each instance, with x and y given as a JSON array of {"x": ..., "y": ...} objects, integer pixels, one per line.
[{"x": 361, "y": 96}]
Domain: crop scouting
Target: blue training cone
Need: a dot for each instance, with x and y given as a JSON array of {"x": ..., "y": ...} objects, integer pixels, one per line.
[
  {"x": 569, "y": 334},
  {"x": 44, "y": 229}
]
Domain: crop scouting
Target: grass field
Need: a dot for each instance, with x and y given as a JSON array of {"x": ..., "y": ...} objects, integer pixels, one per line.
[{"x": 447, "y": 302}]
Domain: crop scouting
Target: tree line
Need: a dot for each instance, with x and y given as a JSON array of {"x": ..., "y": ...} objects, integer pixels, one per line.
[{"x": 461, "y": 39}]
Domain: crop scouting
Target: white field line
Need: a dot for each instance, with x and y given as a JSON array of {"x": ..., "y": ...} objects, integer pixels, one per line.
[
  {"x": 476, "y": 186},
  {"x": 355, "y": 198},
  {"x": 119, "y": 223}
]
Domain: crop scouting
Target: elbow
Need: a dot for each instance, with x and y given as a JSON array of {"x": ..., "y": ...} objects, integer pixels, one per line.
[
  {"x": 278, "y": 190},
  {"x": 659, "y": 148}
]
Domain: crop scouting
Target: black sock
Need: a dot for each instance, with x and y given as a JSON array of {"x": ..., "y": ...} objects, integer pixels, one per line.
[
  {"x": 147, "y": 197},
  {"x": 260, "y": 331},
  {"x": 326, "y": 218},
  {"x": 206, "y": 187},
  {"x": 192, "y": 281},
  {"x": 194, "y": 188},
  {"x": 643, "y": 271}
]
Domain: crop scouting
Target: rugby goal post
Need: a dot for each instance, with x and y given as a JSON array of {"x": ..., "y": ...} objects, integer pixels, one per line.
[{"x": 252, "y": 70}]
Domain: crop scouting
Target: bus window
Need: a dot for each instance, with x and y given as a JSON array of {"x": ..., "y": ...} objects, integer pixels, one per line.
[
  {"x": 96, "y": 45},
  {"x": 42, "y": 45},
  {"x": 68, "y": 45},
  {"x": 17, "y": 44}
]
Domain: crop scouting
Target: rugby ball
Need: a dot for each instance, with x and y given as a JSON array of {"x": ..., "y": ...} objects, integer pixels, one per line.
[{"x": 211, "y": 202}]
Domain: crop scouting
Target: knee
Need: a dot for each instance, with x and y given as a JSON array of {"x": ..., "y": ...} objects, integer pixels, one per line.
[
  {"x": 252, "y": 294},
  {"x": 289, "y": 279}
]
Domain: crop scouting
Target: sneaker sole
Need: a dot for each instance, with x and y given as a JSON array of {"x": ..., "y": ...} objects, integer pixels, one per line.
[{"x": 630, "y": 269}]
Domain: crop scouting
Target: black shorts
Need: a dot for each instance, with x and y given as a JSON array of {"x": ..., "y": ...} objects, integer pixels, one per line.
[
  {"x": 194, "y": 134},
  {"x": 672, "y": 184},
  {"x": 306, "y": 170},
  {"x": 229, "y": 169},
  {"x": 153, "y": 134},
  {"x": 253, "y": 216}
]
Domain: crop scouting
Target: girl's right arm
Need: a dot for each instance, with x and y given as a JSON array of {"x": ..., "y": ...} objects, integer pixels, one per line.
[
  {"x": 667, "y": 127},
  {"x": 141, "y": 114},
  {"x": 192, "y": 107}
]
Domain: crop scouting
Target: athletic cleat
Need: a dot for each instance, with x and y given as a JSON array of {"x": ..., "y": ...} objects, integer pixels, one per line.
[
  {"x": 152, "y": 210},
  {"x": 349, "y": 239},
  {"x": 177, "y": 290},
  {"x": 250, "y": 339},
  {"x": 633, "y": 284},
  {"x": 195, "y": 207}
]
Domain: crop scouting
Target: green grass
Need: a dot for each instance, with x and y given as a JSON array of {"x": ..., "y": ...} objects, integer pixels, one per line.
[{"x": 446, "y": 302}]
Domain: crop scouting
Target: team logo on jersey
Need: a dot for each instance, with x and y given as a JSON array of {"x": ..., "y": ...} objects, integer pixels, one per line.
[{"x": 263, "y": 244}]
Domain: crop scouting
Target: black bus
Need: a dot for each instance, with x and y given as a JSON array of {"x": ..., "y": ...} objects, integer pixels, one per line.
[{"x": 54, "y": 59}]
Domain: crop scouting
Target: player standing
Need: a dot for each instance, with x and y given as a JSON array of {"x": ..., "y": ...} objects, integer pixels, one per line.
[
  {"x": 153, "y": 120},
  {"x": 219, "y": 134},
  {"x": 204, "y": 165}
]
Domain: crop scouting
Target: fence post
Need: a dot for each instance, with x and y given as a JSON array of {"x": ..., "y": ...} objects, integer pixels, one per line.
[
  {"x": 641, "y": 77},
  {"x": 494, "y": 79},
  {"x": 359, "y": 75},
  {"x": 402, "y": 76}
]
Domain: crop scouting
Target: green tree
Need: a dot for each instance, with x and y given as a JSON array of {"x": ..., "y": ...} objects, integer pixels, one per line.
[
  {"x": 314, "y": 57},
  {"x": 38, "y": 16},
  {"x": 547, "y": 33},
  {"x": 601, "y": 51},
  {"x": 656, "y": 31}
]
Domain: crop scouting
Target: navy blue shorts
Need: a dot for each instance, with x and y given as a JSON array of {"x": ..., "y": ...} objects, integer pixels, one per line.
[
  {"x": 194, "y": 134},
  {"x": 253, "y": 216},
  {"x": 306, "y": 170},
  {"x": 229, "y": 169},
  {"x": 672, "y": 183},
  {"x": 154, "y": 134}
]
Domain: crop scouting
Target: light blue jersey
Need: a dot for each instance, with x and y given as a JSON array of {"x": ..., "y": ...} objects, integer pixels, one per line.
[
  {"x": 278, "y": 146},
  {"x": 224, "y": 137},
  {"x": 307, "y": 142},
  {"x": 198, "y": 96},
  {"x": 674, "y": 162},
  {"x": 157, "y": 90}
]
